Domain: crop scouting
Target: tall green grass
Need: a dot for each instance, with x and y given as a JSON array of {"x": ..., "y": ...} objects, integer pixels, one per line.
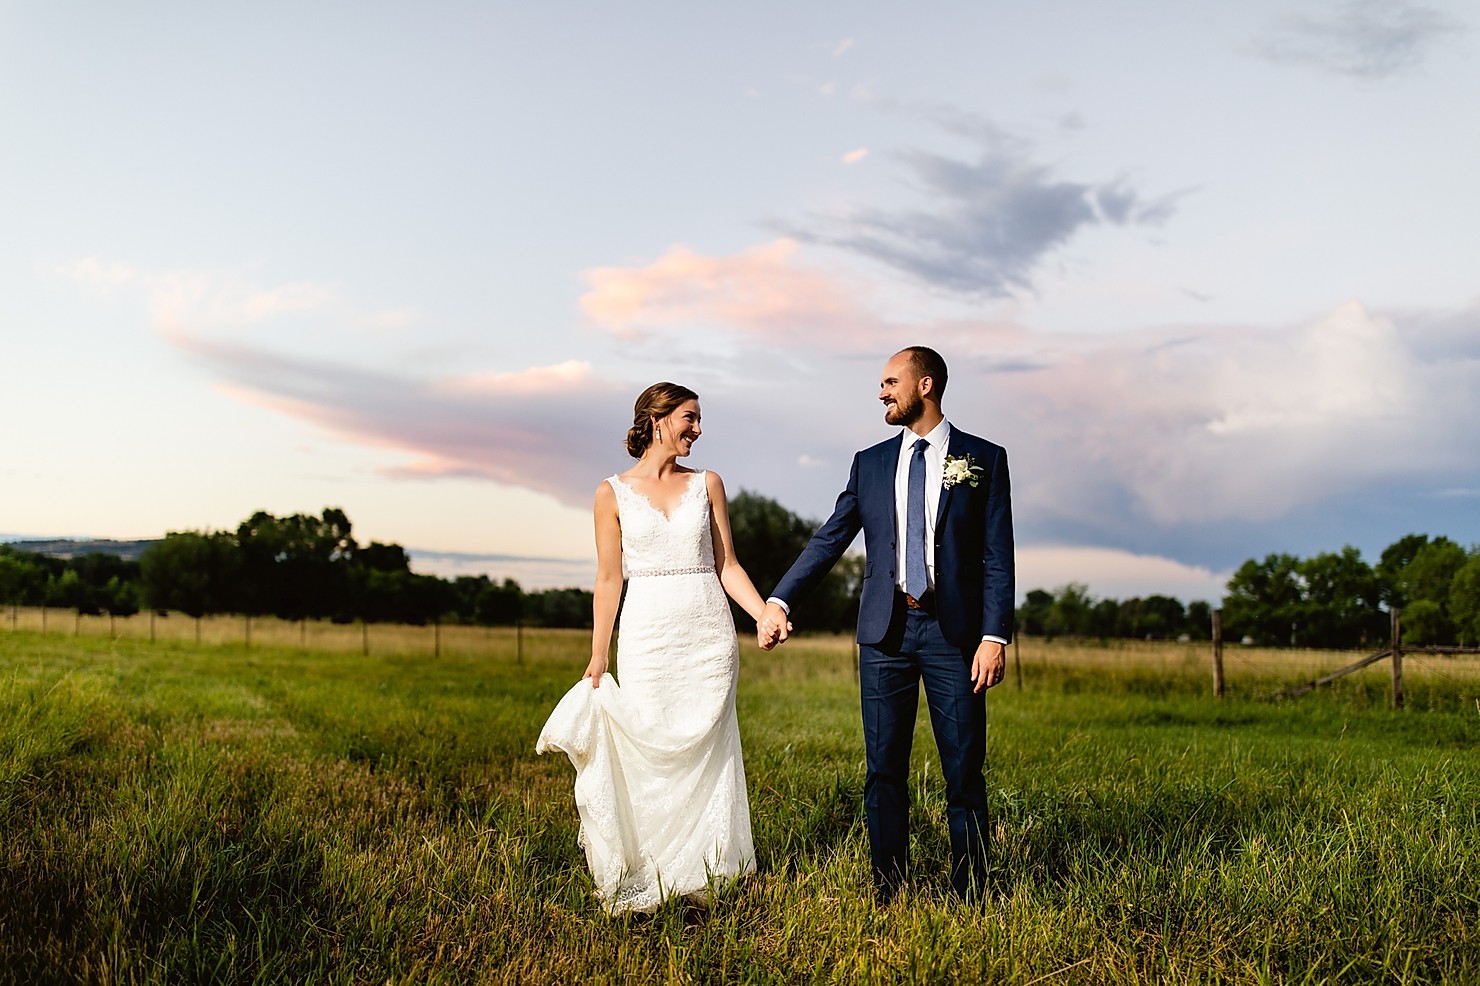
[{"x": 172, "y": 813}]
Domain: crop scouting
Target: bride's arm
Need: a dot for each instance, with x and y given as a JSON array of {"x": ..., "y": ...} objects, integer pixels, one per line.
[
  {"x": 608, "y": 590},
  {"x": 737, "y": 584}
]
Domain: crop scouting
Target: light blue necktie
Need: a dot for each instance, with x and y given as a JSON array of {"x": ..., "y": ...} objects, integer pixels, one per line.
[{"x": 914, "y": 543}]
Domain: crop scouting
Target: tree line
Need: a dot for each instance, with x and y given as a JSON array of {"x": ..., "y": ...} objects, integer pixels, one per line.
[
  {"x": 1331, "y": 600},
  {"x": 311, "y": 567},
  {"x": 295, "y": 567},
  {"x": 306, "y": 566},
  {"x": 1072, "y": 612},
  {"x": 1336, "y": 599}
]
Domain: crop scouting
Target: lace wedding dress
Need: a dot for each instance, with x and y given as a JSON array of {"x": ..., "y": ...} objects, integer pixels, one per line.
[{"x": 660, "y": 786}]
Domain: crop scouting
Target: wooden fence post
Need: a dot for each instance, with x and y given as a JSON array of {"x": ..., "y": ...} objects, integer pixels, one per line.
[
  {"x": 519, "y": 641},
  {"x": 365, "y": 638},
  {"x": 437, "y": 639},
  {"x": 1397, "y": 658},
  {"x": 152, "y": 616},
  {"x": 1218, "y": 653},
  {"x": 249, "y": 631},
  {"x": 1017, "y": 662}
]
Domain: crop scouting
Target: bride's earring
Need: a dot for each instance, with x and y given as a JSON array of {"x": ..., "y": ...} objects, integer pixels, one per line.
[{"x": 657, "y": 433}]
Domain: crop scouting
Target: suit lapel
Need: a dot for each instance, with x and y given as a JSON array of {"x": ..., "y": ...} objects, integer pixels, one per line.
[
  {"x": 945, "y": 491},
  {"x": 888, "y": 469}
]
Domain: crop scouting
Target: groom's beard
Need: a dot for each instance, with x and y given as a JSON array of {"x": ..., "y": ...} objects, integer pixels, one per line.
[{"x": 905, "y": 412}]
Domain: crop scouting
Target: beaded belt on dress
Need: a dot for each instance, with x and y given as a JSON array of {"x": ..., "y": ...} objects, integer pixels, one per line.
[{"x": 691, "y": 570}]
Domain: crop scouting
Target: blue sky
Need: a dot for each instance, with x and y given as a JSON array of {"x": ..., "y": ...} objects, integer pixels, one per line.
[{"x": 1208, "y": 272}]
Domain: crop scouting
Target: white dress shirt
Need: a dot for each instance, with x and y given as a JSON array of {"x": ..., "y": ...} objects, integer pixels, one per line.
[{"x": 935, "y": 467}]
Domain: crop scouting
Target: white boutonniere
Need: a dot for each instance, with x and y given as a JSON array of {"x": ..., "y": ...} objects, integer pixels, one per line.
[{"x": 961, "y": 469}]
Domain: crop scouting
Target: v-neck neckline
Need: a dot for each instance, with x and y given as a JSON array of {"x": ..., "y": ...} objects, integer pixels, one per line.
[{"x": 668, "y": 517}]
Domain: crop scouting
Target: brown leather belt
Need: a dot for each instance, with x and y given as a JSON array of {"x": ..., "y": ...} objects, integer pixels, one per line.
[{"x": 925, "y": 602}]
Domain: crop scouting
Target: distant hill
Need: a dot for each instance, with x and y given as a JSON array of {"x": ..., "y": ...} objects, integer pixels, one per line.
[{"x": 72, "y": 548}]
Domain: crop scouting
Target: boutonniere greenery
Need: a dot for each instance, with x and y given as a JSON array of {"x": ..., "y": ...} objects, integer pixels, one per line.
[{"x": 961, "y": 469}]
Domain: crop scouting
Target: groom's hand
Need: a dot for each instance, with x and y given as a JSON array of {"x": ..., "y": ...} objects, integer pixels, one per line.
[
  {"x": 989, "y": 665},
  {"x": 773, "y": 627}
]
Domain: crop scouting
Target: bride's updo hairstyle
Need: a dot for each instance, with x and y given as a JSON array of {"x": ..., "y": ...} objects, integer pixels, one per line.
[{"x": 658, "y": 401}]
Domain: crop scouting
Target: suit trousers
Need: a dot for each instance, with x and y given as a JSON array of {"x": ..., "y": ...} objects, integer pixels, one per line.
[{"x": 890, "y": 673}]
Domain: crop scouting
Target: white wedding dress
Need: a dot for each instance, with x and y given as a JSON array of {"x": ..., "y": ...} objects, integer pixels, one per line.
[{"x": 660, "y": 786}]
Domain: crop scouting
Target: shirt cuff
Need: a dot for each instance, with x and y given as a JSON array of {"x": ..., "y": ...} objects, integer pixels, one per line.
[
  {"x": 780, "y": 602},
  {"x": 987, "y": 636}
]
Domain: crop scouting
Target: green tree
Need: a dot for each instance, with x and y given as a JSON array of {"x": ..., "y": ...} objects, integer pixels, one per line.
[
  {"x": 1395, "y": 558},
  {"x": 485, "y": 602},
  {"x": 1070, "y": 614},
  {"x": 23, "y": 577},
  {"x": 1464, "y": 601},
  {"x": 1033, "y": 615},
  {"x": 1198, "y": 623},
  {"x": 1424, "y": 622},
  {"x": 192, "y": 573},
  {"x": 1340, "y": 605},
  {"x": 559, "y": 608},
  {"x": 70, "y": 590},
  {"x": 1104, "y": 619},
  {"x": 768, "y": 538},
  {"x": 1431, "y": 570},
  {"x": 296, "y": 566},
  {"x": 1162, "y": 617},
  {"x": 1264, "y": 600},
  {"x": 380, "y": 557},
  {"x": 120, "y": 597}
]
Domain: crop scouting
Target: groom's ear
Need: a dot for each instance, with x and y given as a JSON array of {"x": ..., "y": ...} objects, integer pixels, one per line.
[{"x": 927, "y": 386}]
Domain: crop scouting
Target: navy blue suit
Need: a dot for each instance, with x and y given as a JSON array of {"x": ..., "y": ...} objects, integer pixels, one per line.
[{"x": 900, "y": 647}]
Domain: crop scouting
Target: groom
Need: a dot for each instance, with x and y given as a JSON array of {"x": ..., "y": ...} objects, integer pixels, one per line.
[{"x": 934, "y": 505}]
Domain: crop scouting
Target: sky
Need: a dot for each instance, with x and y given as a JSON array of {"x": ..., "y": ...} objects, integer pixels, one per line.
[{"x": 1209, "y": 272}]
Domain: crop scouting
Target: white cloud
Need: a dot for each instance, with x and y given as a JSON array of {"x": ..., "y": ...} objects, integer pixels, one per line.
[
  {"x": 1242, "y": 425},
  {"x": 855, "y": 155},
  {"x": 1115, "y": 574}
]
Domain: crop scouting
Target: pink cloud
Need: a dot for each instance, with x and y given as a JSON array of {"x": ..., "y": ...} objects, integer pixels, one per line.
[
  {"x": 760, "y": 292},
  {"x": 543, "y": 428}
]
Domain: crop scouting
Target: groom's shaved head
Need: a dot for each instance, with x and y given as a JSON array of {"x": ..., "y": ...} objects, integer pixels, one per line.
[{"x": 926, "y": 362}]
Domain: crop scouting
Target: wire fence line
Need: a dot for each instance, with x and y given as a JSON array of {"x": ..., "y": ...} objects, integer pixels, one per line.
[
  {"x": 1251, "y": 670},
  {"x": 268, "y": 631}
]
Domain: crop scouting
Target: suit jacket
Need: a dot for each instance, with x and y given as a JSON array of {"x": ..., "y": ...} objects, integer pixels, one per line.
[{"x": 973, "y": 544}]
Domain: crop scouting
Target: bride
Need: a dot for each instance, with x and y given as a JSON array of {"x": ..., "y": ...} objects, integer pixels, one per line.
[{"x": 660, "y": 786}]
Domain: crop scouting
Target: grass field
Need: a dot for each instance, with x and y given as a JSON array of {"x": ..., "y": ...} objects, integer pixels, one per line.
[{"x": 297, "y": 811}]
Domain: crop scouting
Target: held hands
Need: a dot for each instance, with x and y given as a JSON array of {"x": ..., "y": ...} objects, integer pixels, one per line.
[
  {"x": 989, "y": 666},
  {"x": 595, "y": 670},
  {"x": 772, "y": 628}
]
